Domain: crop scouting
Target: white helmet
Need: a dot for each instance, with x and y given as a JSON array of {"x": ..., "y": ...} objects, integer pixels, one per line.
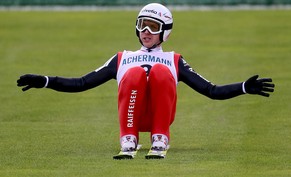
[{"x": 158, "y": 13}]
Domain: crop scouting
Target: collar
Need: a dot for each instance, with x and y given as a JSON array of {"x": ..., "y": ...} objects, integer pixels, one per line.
[{"x": 157, "y": 49}]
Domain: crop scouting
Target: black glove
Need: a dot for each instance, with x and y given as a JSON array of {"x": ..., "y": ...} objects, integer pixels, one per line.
[
  {"x": 31, "y": 81},
  {"x": 259, "y": 86}
]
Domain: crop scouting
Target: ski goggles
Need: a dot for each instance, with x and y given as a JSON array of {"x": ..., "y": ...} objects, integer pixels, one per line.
[{"x": 150, "y": 24}]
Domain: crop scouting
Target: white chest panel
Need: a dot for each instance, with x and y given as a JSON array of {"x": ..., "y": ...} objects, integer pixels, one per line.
[{"x": 145, "y": 59}]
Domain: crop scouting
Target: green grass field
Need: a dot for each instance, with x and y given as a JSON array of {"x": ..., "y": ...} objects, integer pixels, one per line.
[{"x": 51, "y": 134}]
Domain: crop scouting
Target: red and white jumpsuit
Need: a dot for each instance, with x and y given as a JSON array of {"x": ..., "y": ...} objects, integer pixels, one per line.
[
  {"x": 147, "y": 91},
  {"x": 147, "y": 83}
]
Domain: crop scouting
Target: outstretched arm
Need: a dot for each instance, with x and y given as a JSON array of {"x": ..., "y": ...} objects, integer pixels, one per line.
[
  {"x": 88, "y": 81},
  {"x": 220, "y": 92}
]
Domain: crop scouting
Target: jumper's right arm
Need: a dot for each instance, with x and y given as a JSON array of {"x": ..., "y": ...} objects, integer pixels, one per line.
[{"x": 88, "y": 81}]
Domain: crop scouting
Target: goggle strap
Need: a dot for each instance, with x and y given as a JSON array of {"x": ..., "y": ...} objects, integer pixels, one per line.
[{"x": 167, "y": 26}]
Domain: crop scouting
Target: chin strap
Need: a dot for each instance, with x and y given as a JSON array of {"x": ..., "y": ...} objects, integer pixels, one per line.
[{"x": 154, "y": 46}]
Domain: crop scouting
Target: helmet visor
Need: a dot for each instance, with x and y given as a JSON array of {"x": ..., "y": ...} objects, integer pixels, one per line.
[{"x": 152, "y": 25}]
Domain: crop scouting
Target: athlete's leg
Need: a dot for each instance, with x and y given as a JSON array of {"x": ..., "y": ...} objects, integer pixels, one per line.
[
  {"x": 163, "y": 96},
  {"x": 131, "y": 96}
]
